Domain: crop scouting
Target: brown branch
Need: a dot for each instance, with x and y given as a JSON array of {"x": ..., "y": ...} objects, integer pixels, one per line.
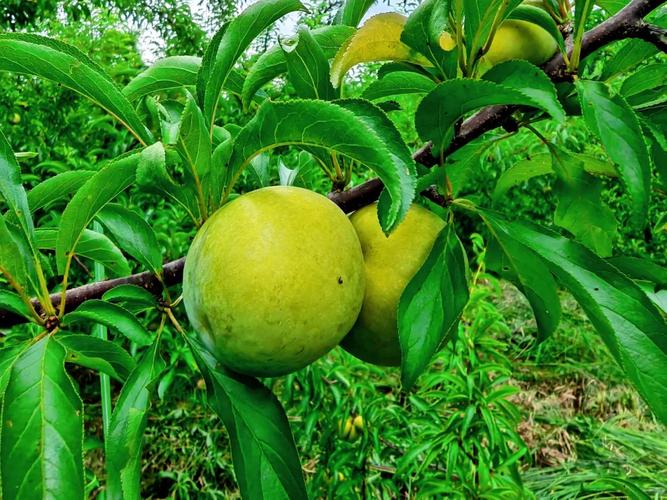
[{"x": 627, "y": 23}]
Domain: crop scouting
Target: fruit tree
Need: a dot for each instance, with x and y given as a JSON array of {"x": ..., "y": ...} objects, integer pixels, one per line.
[{"x": 277, "y": 277}]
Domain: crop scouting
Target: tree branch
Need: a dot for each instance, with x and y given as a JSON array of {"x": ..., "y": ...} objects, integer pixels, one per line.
[{"x": 627, "y": 23}]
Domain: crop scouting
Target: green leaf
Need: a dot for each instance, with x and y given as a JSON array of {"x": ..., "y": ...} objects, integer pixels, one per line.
[
  {"x": 422, "y": 33},
  {"x": 172, "y": 73},
  {"x": 97, "y": 354},
  {"x": 11, "y": 188},
  {"x": 629, "y": 323},
  {"x": 445, "y": 104},
  {"x": 272, "y": 63},
  {"x": 99, "y": 190},
  {"x": 194, "y": 145},
  {"x": 42, "y": 427},
  {"x": 10, "y": 301},
  {"x": 582, "y": 9},
  {"x": 236, "y": 38},
  {"x": 308, "y": 67},
  {"x": 641, "y": 269},
  {"x": 112, "y": 316},
  {"x": 398, "y": 83},
  {"x": 56, "y": 188},
  {"x": 352, "y": 12},
  {"x": 383, "y": 127},
  {"x": 92, "y": 245},
  {"x": 541, "y": 164},
  {"x": 12, "y": 262},
  {"x": 152, "y": 176},
  {"x": 540, "y": 17},
  {"x": 265, "y": 458},
  {"x": 532, "y": 81},
  {"x": 133, "y": 234},
  {"x": 431, "y": 304},
  {"x": 617, "y": 127},
  {"x": 337, "y": 130},
  {"x": 646, "y": 85},
  {"x": 124, "y": 440},
  {"x": 68, "y": 66},
  {"x": 130, "y": 294},
  {"x": 518, "y": 264},
  {"x": 627, "y": 57},
  {"x": 651, "y": 277},
  {"x": 165, "y": 74},
  {"x": 580, "y": 209}
]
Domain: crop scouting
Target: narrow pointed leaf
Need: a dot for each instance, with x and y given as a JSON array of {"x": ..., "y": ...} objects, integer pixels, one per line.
[
  {"x": 153, "y": 177},
  {"x": 92, "y": 245},
  {"x": 112, "y": 316},
  {"x": 11, "y": 188},
  {"x": 56, "y": 188},
  {"x": 10, "y": 301},
  {"x": 443, "y": 106},
  {"x": 383, "y": 127},
  {"x": 398, "y": 83},
  {"x": 353, "y": 11},
  {"x": 12, "y": 262},
  {"x": 580, "y": 209},
  {"x": 308, "y": 67},
  {"x": 236, "y": 38},
  {"x": 542, "y": 164},
  {"x": 517, "y": 263},
  {"x": 133, "y": 234},
  {"x": 265, "y": 458},
  {"x": 431, "y": 304},
  {"x": 422, "y": 33},
  {"x": 42, "y": 427},
  {"x": 272, "y": 63},
  {"x": 97, "y": 354},
  {"x": 616, "y": 125},
  {"x": 126, "y": 427},
  {"x": 629, "y": 323},
  {"x": 68, "y": 66},
  {"x": 328, "y": 126},
  {"x": 532, "y": 81},
  {"x": 99, "y": 190}
]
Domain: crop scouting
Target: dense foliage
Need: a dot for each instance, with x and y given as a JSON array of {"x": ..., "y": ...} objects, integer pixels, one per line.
[{"x": 550, "y": 173}]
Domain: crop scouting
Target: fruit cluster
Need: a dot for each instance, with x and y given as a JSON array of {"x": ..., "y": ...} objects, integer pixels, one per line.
[{"x": 280, "y": 276}]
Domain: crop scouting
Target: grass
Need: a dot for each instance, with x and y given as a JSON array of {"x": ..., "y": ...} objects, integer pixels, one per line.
[{"x": 588, "y": 433}]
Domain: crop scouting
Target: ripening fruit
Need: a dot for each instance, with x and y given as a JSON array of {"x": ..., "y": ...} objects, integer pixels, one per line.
[
  {"x": 390, "y": 264},
  {"x": 274, "y": 280},
  {"x": 521, "y": 40},
  {"x": 15, "y": 119}
]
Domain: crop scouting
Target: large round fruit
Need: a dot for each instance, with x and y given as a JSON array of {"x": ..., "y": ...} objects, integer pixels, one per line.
[
  {"x": 521, "y": 40},
  {"x": 390, "y": 263},
  {"x": 274, "y": 280}
]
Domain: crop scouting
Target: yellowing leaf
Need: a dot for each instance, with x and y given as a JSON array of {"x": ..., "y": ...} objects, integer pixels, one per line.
[{"x": 379, "y": 39}]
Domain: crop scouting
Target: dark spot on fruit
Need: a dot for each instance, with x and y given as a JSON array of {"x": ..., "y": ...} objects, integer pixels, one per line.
[{"x": 340, "y": 280}]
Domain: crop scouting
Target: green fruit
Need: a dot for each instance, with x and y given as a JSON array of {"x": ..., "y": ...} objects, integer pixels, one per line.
[
  {"x": 274, "y": 280},
  {"x": 390, "y": 264},
  {"x": 521, "y": 40}
]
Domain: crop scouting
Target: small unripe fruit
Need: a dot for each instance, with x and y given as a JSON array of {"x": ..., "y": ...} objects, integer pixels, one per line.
[
  {"x": 274, "y": 280},
  {"x": 390, "y": 263},
  {"x": 521, "y": 40}
]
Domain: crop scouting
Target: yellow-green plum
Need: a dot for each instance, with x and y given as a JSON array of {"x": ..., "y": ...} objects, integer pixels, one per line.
[
  {"x": 390, "y": 263},
  {"x": 516, "y": 39},
  {"x": 274, "y": 280}
]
